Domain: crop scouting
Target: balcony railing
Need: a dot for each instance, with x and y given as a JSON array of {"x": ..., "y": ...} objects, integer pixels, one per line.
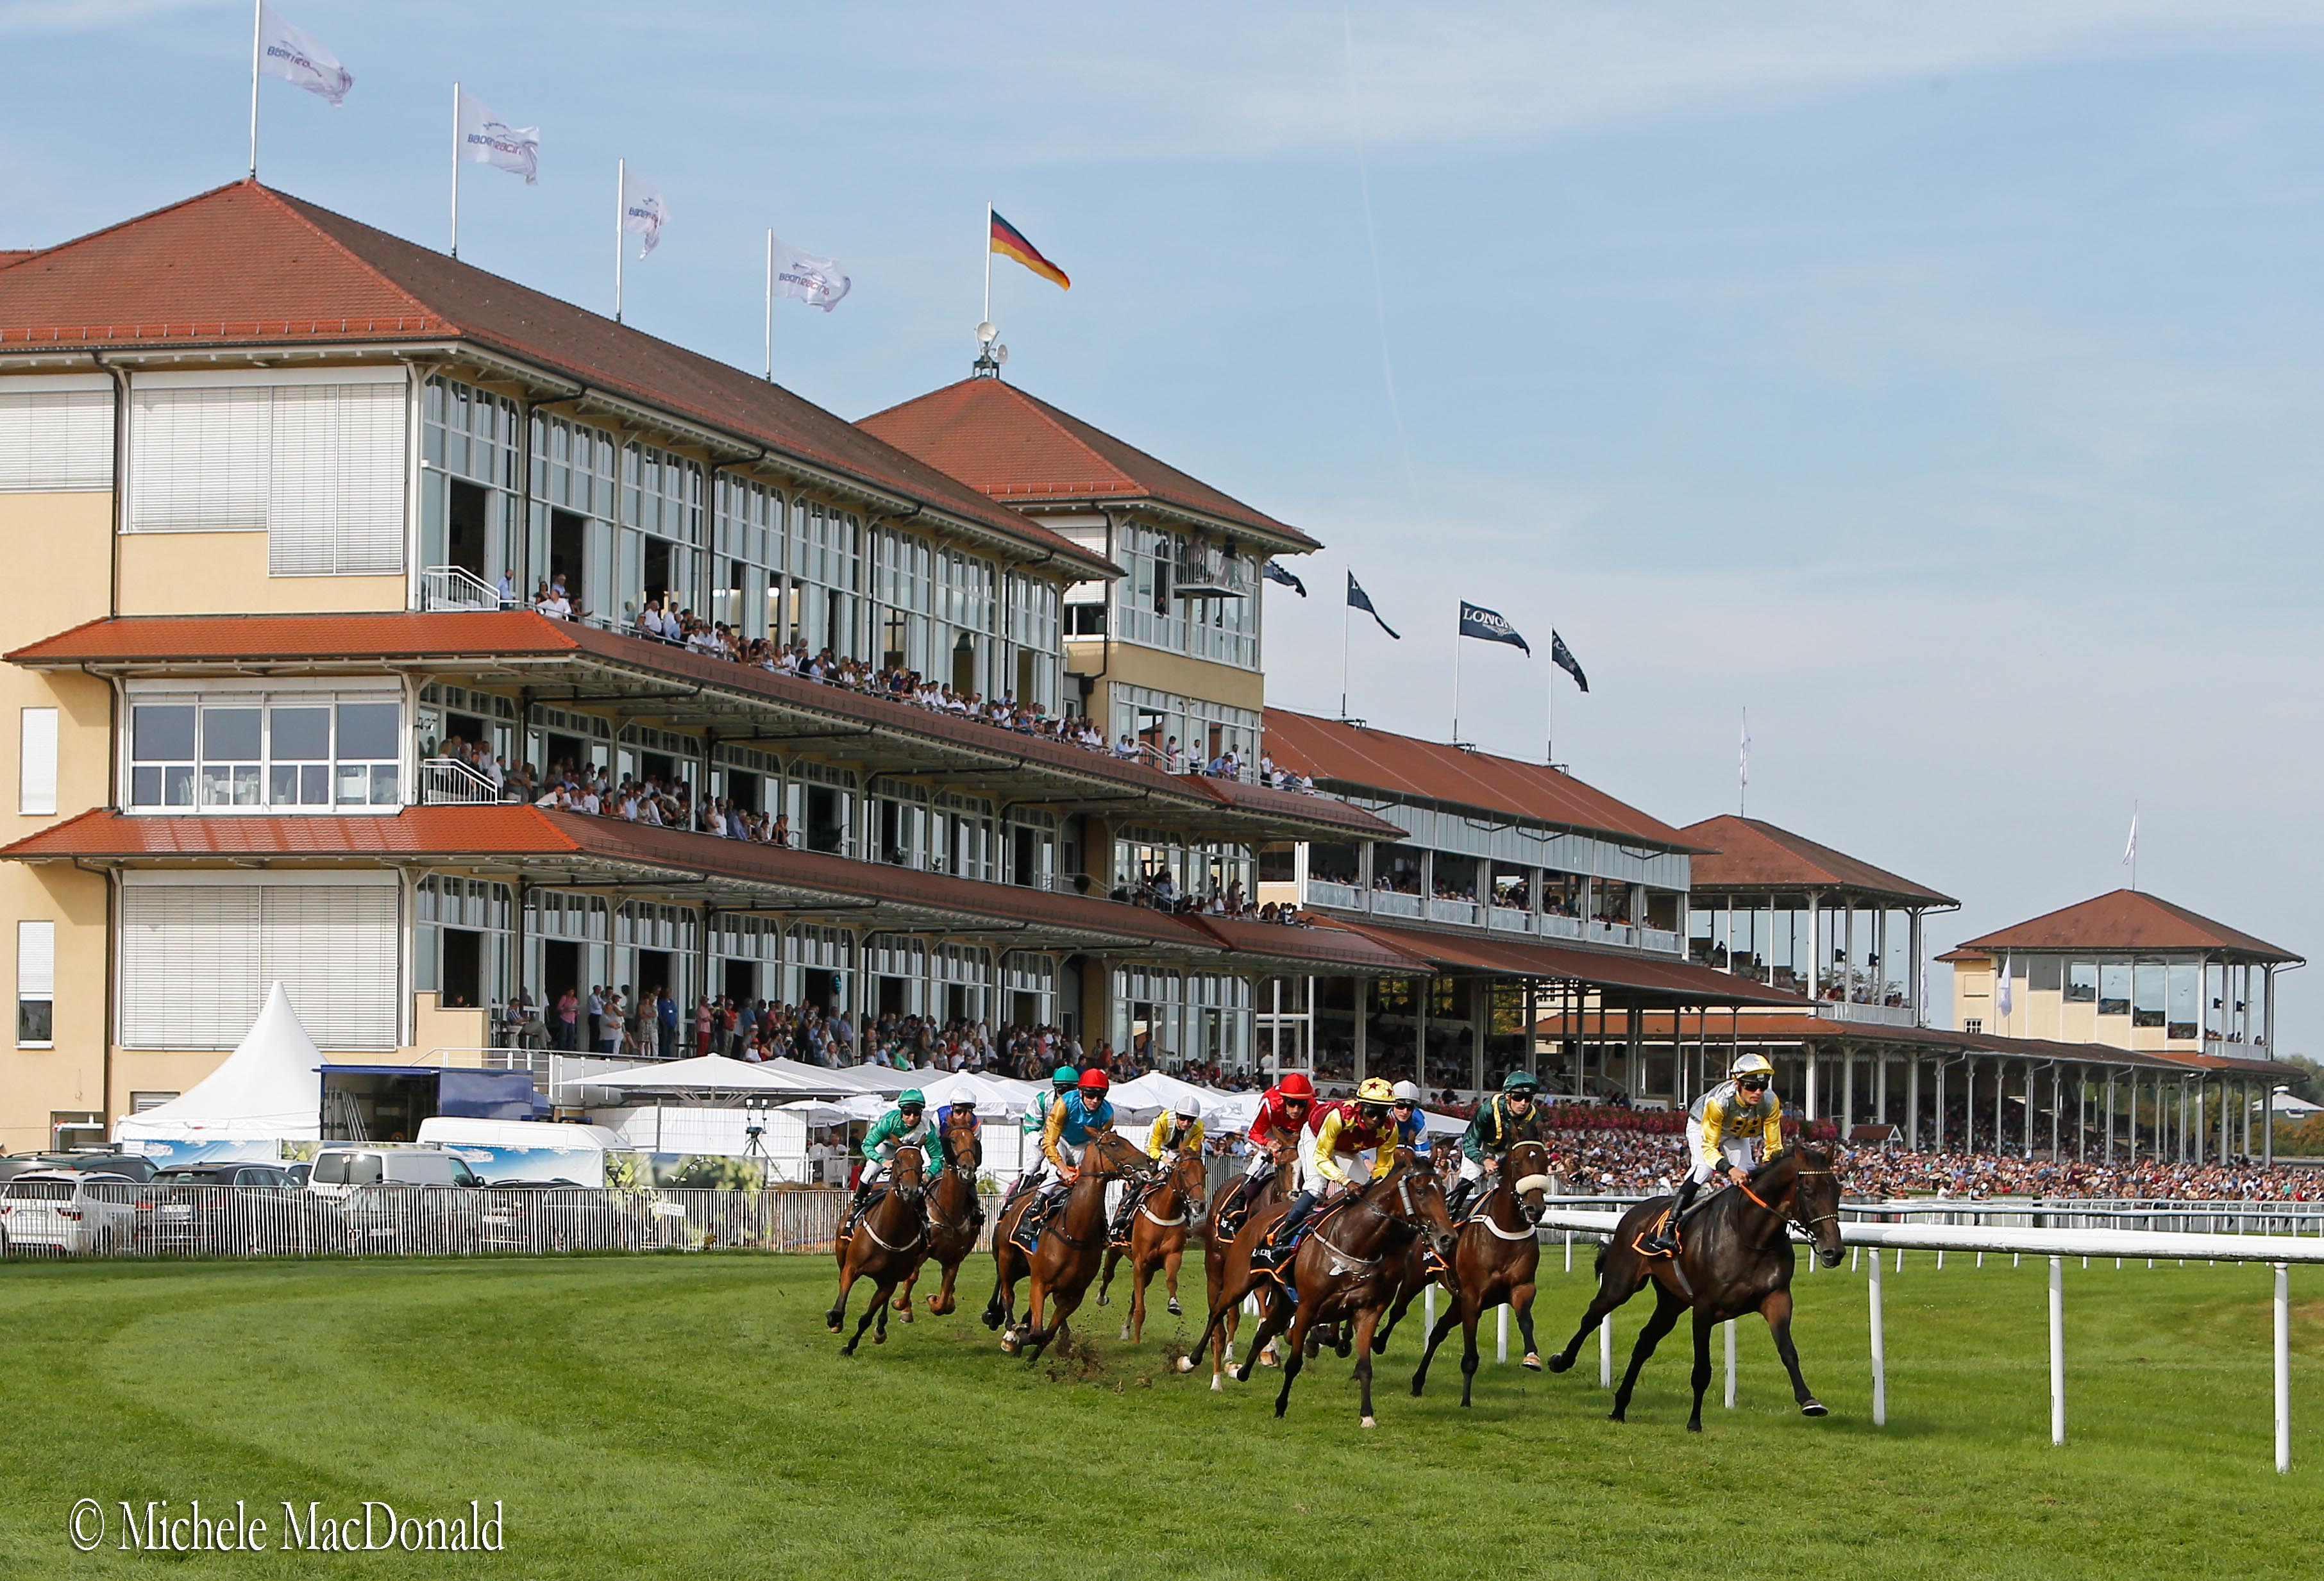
[
  {"x": 455, "y": 587},
  {"x": 447, "y": 782},
  {"x": 1201, "y": 572},
  {"x": 1508, "y": 919},
  {"x": 1395, "y": 902},
  {"x": 1872, "y": 1015},
  {"x": 1463, "y": 913},
  {"x": 1341, "y": 896}
]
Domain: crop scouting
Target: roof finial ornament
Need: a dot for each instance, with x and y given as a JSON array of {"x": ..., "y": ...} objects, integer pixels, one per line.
[{"x": 989, "y": 353}]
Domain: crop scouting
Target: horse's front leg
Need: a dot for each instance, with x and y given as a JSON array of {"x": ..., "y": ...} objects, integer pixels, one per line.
[
  {"x": 904, "y": 1289},
  {"x": 1170, "y": 1261},
  {"x": 944, "y": 1301},
  {"x": 1141, "y": 1271},
  {"x": 1667, "y": 1306},
  {"x": 1521, "y": 1302},
  {"x": 1105, "y": 1275},
  {"x": 838, "y": 1314},
  {"x": 1435, "y": 1337},
  {"x": 1617, "y": 1281},
  {"x": 1365, "y": 1321},
  {"x": 1703, "y": 1324},
  {"x": 1777, "y": 1309},
  {"x": 1295, "y": 1356}
]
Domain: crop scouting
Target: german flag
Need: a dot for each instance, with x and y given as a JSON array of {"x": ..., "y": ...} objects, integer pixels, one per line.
[{"x": 1010, "y": 242}]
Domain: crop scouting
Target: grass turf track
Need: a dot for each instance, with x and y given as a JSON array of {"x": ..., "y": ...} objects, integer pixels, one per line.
[{"x": 688, "y": 1416}]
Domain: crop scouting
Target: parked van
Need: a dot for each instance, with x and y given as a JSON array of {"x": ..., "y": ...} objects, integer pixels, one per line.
[
  {"x": 505, "y": 1152},
  {"x": 341, "y": 1167}
]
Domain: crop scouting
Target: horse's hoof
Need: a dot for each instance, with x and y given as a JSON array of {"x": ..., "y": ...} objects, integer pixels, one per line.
[
  {"x": 1814, "y": 1408},
  {"x": 1186, "y": 1364},
  {"x": 1694, "y": 1427},
  {"x": 830, "y": 1325},
  {"x": 1174, "y": 1308},
  {"x": 1531, "y": 1364},
  {"x": 1561, "y": 1363},
  {"x": 1125, "y": 1333},
  {"x": 881, "y": 1338},
  {"x": 1218, "y": 1385},
  {"x": 1101, "y": 1298},
  {"x": 1242, "y": 1374},
  {"x": 1370, "y": 1422},
  {"x": 1615, "y": 1415}
]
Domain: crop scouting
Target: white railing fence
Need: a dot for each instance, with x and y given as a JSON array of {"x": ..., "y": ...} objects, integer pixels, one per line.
[
  {"x": 448, "y": 782},
  {"x": 455, "y": 587}
]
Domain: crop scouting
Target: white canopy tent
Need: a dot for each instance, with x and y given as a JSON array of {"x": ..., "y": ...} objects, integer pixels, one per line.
[
  {"x": 847, "y": 1078},
  {"x": 710, "y": 1073},
  {"x": 270, "y": 1088}
]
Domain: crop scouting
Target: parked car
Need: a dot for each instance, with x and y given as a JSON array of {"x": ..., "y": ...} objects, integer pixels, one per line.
[
  {"x": 131, "y": 1165},
  {"x": 406, "y": 1221},
  {"x": 295, "y": 1174},
  {"x": 67, "y": 1210},
  {"x": 235, "y": 1210},
  {"x": 340, "y": 1169}
]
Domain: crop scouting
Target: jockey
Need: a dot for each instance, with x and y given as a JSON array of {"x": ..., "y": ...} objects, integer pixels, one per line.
[
  {"x": 1283, "y": 1116},
  {"x": 1177, "y": 1129},
  {"x": 904, "y": 1125},
  {"x": 1719, "y": 1136},
  {"x": 1339, "y": 1142},
  {"x": 1037, "y": 1116},
  {"x": 964, "y": 1109},
  {"x": 1411, "y": 1126},
  {"x": 1511, "y": 1116},
  {"x": 1065, "y": 1132}
]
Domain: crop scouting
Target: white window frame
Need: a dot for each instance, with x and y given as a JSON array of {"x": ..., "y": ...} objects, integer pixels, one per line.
[
  {"x": 36, "y": 762},
  {"x": 36, "y": 969},
  {"x": 263, "y": 695}
]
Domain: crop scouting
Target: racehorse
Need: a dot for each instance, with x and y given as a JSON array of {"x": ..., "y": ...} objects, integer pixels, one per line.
[
  {"x": 1495, "y": 1262},
  {"x": 1348, "y": 1268},
  {"x": 1734, "y": 1258},
  {"x": 1066, "y": 1256},
  {"x": 884, "y": 1244},
  {"x": 1240, "y": 1218},
  {"x": 1444, "y": 1158},
  {"x": 952, "y": 1216},
  {"x": 1158, "y": 1238}
]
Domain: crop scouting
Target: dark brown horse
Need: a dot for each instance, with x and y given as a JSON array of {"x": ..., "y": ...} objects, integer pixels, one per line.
[
  {"x": 1066, "y": 1257},
  {"x": 1499, "y": 1253},
  {"x": 952, "y": 1215},
  {"x": 1348, "y": 1269},
  {"x": 1158, "y": 1237},
  {"x": 885, "y": 1245},
  {"x": 1240, "y": 1217},
  {"x": 1734, "y": 1258}
]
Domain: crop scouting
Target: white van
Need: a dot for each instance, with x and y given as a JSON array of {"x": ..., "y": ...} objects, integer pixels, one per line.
[{"x": 341, "y": 1167}]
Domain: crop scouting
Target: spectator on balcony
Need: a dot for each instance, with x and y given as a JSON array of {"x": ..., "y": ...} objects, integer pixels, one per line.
[{"x": 507, "y": 589}]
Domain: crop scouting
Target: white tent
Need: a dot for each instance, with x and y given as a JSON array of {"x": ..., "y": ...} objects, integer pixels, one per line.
[
  {"x": 710, "y": 1073},
  {"x": 1148, "y": 1095},
  {"x": 269, "y": 1088},
  {"x": 847, "y": 1077}
]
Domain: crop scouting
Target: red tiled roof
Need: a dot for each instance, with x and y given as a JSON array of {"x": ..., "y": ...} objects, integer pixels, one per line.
[
  {"x": 437, "y": 634},
  {"x": 9, "y": 255},
  {"x": 1751, "y": 853},
  {"x": 415, "y": 832},
  {"x": 1019, "y": 448},
  {"x": 1296, "y": 804},
  {"x": 1323, "y": 945},
  {"x": 1356, "y": 757},
  {"x": 2124, "y": 920},
  {"x": 246, "y": 265},
  {"x": 1677, "y": 980},
  {"x": 1770, "y": 1026}
]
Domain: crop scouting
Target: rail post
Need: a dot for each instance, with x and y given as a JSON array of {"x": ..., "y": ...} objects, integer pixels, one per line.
[
  {"x": 1606, "y": 1351},
  {"x": 1501, "y": 1339},
  {"x": 1879, "y": 1351},
  {"x": 2283, "y": 1368},
  {"x": 1729, "y": 1326},
  {"x": 2057, "y": 1350}
]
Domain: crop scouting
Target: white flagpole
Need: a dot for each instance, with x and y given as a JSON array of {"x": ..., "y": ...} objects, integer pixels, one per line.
[
  {"x": 1549, "y": 727},
  {"x": 256, "y": 12},
  {"x": 621, "y": 188},
  {"x": 455, "y": 170},
  {"x": 1347, "y": 610},
  {"x": 1456, "y": 678},
  {"x": 771, "y": 307},
  {"x": 988, "y": 265}
]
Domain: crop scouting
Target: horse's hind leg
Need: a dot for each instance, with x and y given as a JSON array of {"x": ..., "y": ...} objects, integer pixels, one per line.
[
  {"x": 1272, "y": 1321},
  {"x": 1141, "y": 1271},
  {"x": 904, "y": 1293},
  {"x": 1105, "y": 1276},
  {"x": 1521, "y": 1302},
  {"x": 877, "y": 1311},
  {"x": 1170, "y": 1261},
  {"x": 1667, "y": 1306},
  {"x": 1777, "y": 1309},
  {"x": 1293, "y": 1358},
  {"x": 1703, "y": 1324},
  {"x": 1619, "y": 1280},
  {"x": 944, "y": 1301},
  {"x": 1365, "y": 1323}
]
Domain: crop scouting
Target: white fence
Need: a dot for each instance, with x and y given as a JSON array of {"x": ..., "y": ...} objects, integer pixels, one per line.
[{"x": 2055, "y": 1244}]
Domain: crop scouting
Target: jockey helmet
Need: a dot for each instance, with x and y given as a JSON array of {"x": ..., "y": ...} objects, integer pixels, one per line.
[
  {"x": 1295, "y": 1085},
  {"x": 1375, "y": 1093},
  {"x": 1407, "y": 1092},
  {"x": 1095, "y": 1080},
  {"x": 1064, "y": 1076},
  {"x": 1752, "y": 1065},
  {"x": 1524, "y": 1081},
  {"x": 1188, "y": 1107},
  {"x": 911, "y": 1097}
]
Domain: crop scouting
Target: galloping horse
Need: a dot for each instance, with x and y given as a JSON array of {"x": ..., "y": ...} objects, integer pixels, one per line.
[
  {"x": 1066, "y": 1256},
  {"x": 952, "y": 1215},
  {"x": 1158, "y": 1238},
  {"x": 884, "y": 1246},
  {"x": 1348, "y": 1268},
  {"x": 1734, "y": 1258},
  {"x": 1496, "y": 1260},
  {"x": 1240, "y": 1218}
]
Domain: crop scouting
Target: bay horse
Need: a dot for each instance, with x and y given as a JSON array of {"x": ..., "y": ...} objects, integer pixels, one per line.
[
  {"x": 1495, "y": 1262},
  {"x": 1734, "y": 1258},
  {"x": 1348, "y": 1269},
  {"x": 1240, "y": 1218},
  {"x": 952, "y": 1216},
  {"x": 885, "y": 1245},
  {"x": 1158, "y": 1229},
  {"x": 1066, "y": 1256}
]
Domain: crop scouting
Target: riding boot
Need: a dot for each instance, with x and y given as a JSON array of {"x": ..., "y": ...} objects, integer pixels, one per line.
[
  {"x": 1665, "y": 1240},
  {"x": 1287, "y": 1227},
  {"x": 1456, "y": 1200}
]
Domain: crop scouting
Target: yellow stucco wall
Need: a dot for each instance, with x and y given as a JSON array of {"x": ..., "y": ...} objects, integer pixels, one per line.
[
  {"x": 2048, "y": 1013},
  {"x": 1133, "y": 666},
  {"x": 225, "y": 572}
]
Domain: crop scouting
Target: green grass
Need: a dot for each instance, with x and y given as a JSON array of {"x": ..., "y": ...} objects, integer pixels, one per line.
[{"x": 688, "y": 1416}]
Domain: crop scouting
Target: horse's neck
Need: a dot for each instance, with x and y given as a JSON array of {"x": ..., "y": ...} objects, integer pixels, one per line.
[
  {"x": 1085, "y": 1203},
  {"x": 952, "y": 1185},
  {"x": 1761, "y": 1225},
  {"x": 1500, "y": 1204},
  {"x": 1368, "y": 1223},
  {"x": 894, "y": 1210}
]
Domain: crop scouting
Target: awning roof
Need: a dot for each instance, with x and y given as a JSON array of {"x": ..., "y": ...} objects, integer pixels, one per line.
[
  {"x": 1753, "y": 856},
  {"x": 1677, "y": 981},
  {"x": 2123, "y": 921}
]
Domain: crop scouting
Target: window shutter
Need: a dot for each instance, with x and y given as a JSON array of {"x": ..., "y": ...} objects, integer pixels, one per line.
[
  {"x": 335, "y": 501},
  {"x": 334, "y": 949},
  {"x": 55, "y": 441},
  {"x": 198, "y": 459},
  {"x": 36, "y": 763},
  {"x": 189, "y": 965},
  {"x": 36, "y": 960}
]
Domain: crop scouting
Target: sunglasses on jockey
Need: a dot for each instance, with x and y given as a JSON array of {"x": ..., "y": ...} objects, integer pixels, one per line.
[{"x": 1751, "y": 1083}]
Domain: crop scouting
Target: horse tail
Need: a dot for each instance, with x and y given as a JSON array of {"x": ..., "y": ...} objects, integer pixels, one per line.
[{"x": 1598, "y": 1262}]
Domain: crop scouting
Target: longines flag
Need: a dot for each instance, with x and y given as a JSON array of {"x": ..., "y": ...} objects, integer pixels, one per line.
[
  {"x": 1562, "y": 657},
  {"x": 299, "y": 58},
  {"x": 1488, "y": 626},
  {"x": 643, "y": 213},
  {"x": 1357, "y": 599},
  {"x": 819, "y": 282},
  {"x": 487, "y": 140},
  {"x": 1275, "y": 573}
]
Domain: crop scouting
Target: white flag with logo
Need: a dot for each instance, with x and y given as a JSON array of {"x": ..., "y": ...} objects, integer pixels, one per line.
[
  {"x": 819, "y": 282},
  {"x": 299, "y": 58},
  {"x": 2002, "y": 1000},
  {"x": 487, "y": 140},
  {"x": 643, "y": 213}
]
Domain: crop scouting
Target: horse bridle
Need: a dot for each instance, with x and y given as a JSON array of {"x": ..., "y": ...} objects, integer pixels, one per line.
[{"x": 1809, "y": 1225}]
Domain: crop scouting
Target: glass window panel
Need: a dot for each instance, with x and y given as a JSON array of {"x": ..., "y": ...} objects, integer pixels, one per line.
[
  {"x": 300, "y": 734},
  {"x": 2147, "y": 995},
  {"x": 382, "y": 785},
  {"x": 2114, "y": 987},
  {"x": 229, "y": 735},
  {"x": 315, "y": 785},
  {"x": 367, "y": 730},
  {"x": 161, "y": 731},
  {"x": 2082, "y": 982}
]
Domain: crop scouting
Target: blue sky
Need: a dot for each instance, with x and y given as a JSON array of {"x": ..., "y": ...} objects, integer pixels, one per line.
[{"x": 1941, "y": 384}]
